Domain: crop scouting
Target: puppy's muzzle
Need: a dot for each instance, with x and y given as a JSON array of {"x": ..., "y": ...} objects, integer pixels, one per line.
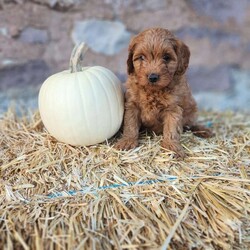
[{"x": 153, "y": 78}]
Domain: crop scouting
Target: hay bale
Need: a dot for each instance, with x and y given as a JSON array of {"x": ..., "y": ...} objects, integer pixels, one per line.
[{"x": 55, "y": 196}]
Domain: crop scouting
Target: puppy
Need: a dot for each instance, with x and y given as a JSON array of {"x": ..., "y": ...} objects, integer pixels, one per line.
[{"x": 158, "y": 96}]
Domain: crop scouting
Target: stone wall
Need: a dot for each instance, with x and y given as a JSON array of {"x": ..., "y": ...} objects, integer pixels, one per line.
[{"x": 37, "y": 36}]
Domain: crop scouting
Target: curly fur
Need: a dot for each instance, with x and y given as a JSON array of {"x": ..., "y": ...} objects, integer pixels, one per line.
[{"x": 165, "y": 105}]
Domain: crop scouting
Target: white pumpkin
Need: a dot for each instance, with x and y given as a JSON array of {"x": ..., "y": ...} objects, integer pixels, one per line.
[{"x": 82, "y": 106}]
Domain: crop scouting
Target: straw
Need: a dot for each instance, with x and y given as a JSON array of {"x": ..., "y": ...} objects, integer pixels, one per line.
[{"x": 56, "y": 196}]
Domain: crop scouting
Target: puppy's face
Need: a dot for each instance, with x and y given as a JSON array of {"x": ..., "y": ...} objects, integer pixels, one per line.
[{"x": 155, "y": 56}]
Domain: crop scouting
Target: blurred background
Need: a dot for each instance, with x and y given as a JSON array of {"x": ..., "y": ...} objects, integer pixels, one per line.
[{"x": 37, "y": 36}]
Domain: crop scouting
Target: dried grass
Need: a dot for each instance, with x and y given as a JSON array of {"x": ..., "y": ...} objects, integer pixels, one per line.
[{"x": 55, "y": 196}]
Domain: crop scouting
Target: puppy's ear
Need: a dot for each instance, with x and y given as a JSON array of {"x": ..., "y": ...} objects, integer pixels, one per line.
[
  {"x": 183, "y": 55},
  {"x": 130, "y": 65},
  {"x": 131, "y": 49}
]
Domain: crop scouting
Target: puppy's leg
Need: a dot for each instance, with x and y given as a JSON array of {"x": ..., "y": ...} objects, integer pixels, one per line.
[
  {"x": 172, "y": 130},
  {"x": 189, "y": 121},
  {"x": 131, "y": 128},
  {"x": 199, "y": 130}
]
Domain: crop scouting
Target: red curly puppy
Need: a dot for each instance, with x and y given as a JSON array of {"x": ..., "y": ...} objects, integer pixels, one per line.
[{"x": 158, "y": 96}]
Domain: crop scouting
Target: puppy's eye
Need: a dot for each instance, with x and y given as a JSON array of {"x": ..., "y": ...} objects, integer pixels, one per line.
[
  {"x": 141, "y": 57},
  {"x": 166, "y": 57}
]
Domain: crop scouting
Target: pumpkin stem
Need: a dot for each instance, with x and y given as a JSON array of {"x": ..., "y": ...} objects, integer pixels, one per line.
[{"x": 76, "y": 57}]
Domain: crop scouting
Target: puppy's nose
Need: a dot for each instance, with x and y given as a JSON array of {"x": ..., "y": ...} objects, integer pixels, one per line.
[{"x": 153, "y": 77}]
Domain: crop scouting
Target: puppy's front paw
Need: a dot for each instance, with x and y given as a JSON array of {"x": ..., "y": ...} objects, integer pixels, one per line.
[
  {"x": 126, "y": 144},
  {"x": 175, "y": 147}
]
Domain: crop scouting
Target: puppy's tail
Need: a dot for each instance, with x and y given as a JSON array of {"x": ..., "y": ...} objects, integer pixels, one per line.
[{"x": 199, "y": 130}]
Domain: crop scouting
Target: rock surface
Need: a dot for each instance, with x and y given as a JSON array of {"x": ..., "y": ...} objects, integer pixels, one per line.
[
  {"x": 30, "y": 73},
  {"x": 32, "y": 35},
  {"x": 210, "y": 79},
  {"x": 37, "y": 37},
  {"x": 221, "y": 10},
  {"x": 237, "y": 98},
  {"x": 105, "y": 37}
]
